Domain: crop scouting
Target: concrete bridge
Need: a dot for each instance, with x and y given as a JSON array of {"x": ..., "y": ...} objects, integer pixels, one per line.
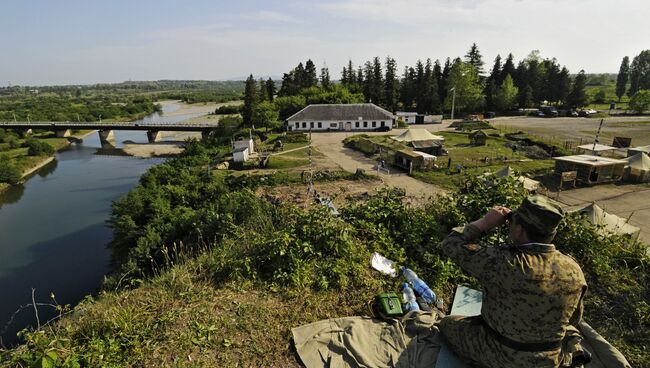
[{"x": 62, "y": 129}]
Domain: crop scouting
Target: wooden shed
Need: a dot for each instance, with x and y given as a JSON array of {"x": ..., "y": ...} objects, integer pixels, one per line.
[
  {"x": 477, "y": 138},
  {"x": 591, "y": 169},
  {"x": 408, "y": 160}
]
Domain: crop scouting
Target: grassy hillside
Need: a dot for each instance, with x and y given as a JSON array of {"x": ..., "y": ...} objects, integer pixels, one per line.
[{"x": 213, "y": 275}]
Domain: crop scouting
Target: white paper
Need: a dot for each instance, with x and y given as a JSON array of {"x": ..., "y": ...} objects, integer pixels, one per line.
[{"x": 383, "y": 265}]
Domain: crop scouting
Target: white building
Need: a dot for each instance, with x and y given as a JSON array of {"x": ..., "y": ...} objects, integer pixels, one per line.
[
  {"x": 240, "y": 154},
  {"x": 242, "y": 149},
  {"x": 343, "y": 117},
  {"x": 407, "y": 116},
  {"x": 244, "y": 143}
]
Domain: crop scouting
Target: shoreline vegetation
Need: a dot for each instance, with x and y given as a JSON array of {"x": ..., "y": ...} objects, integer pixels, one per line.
[
  {"x": 36, "y": 166},
  {"x": 172, "y": 146}
]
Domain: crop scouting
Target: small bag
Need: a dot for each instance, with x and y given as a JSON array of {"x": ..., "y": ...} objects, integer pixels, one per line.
[{"x": 388, "y": 305}]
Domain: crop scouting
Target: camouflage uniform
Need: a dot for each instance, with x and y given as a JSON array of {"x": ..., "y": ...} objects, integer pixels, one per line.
[{"x": 532, "y": 297}]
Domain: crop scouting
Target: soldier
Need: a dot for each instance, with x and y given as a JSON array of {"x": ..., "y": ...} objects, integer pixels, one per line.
[{"x": 532, "y": 293}]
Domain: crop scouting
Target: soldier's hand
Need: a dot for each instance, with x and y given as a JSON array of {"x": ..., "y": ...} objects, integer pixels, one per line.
[{"x": 495, "y": 217}]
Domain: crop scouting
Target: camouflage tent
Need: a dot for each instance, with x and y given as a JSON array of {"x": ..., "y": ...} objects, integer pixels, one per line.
[
  {"x": 528, "y": 183},
  {"x": 637, "y": 168},
  {"x": 608, "y": 223}
]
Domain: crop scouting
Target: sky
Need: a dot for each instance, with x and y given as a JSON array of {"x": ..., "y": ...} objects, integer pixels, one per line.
[{"x": 47, "y": 42}]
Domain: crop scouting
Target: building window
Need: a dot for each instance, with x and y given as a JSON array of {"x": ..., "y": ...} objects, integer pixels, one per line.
[
  {"x": 356, "y": 124},
  {"x": 365, "y": 124},
  {"x": 320, "y": 125},
  {"x": 383, "y": 123},
  {"x": 304, "y": 125},
  {"x": 333, "y": 125},
  {"x": 297, "y": 124},
  {"x": 311, "y": 124},
  {"x": 374, "y": 124}
]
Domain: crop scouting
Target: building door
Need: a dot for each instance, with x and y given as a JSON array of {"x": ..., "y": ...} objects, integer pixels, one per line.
[{"x": 348, "y": 126}]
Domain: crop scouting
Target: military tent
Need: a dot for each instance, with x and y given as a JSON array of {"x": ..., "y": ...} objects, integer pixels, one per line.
[
  {"x": 609, "y": 223},
  {"x": 634, "y": 150},
  {"x": 637, "y": 168},
  {"x": 529, "y": 184},
  {"x": 417, "y": 134}
]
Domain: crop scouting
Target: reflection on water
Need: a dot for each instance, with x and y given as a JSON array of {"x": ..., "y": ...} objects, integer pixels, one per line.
[
  {"x": 53, "y": 231},
  {"x": 48, "y": 169}
]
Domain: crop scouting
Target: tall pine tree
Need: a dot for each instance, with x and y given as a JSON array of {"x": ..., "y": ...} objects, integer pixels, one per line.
[
  {"x": 578, "y": 97},
  {"x": 492, "y": 83},
  {"x": 310, "y": 80},
  {"x": 639, "y": 73},
  {"x": 475, "y": 58},
  {"x": 251, "y": 100},
  {"x": 325, "y": 78},
  {"x": 270, "y": 89},
  {"x": 508, "y": 68},
  {"x": 262, "y": 91},
  {"x": 391, "y": 84},
  {"x": 622, "y": 77}
]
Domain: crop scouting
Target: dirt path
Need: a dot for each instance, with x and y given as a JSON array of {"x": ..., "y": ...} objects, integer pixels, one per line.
[
  {"x": 287, "y": 151},
  {"x": 331, "y": 146}
]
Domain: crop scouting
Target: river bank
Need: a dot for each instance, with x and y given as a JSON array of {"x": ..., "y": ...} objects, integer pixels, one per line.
[{"x": 53, "y": 228}]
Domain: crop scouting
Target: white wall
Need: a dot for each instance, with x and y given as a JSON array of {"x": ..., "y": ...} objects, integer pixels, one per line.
[
  {"x": 241, "y": 156},
  {"x": 334, "y": 125}
]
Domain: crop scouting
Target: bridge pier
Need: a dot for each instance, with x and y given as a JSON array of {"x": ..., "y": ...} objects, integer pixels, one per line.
[
  {"x": 154, "y": 136},
  {"x": 108, "y": 145},
  {"x": 25, "y": 132},
  {"x": 62, "y": 133},
  {"x": 106, "y": 135}
]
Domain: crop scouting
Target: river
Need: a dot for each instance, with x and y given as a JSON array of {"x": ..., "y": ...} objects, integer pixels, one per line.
[{"x": 53, "y": 231}]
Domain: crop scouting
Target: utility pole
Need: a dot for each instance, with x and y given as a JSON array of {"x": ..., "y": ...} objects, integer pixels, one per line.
[
  {"x": 593, "y": 150},
  {"x": 453, "y": 103}
]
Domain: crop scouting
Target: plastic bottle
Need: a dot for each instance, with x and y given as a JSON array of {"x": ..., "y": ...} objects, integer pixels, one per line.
[
  {"x": 420, "y": 287},
  {"x": 409, "y": 298}
]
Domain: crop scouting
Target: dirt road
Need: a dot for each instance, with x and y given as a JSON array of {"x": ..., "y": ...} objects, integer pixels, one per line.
[{"x": 331, "y": 145}]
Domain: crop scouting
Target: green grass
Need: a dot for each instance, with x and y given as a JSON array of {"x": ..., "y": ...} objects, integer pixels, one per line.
[
  {"x": 454, "y": 180},
  {"x": 25, "y": 162},
  {"x": 473, "y": 160},
  {"x": 282, "y": 162}
]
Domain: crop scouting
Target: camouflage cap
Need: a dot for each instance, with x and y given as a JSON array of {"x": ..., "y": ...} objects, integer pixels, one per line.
[{"x": 540, "y": 212}]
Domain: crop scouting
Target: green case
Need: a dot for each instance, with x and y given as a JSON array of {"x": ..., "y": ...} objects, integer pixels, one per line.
[{"x": 389, "y": 304}]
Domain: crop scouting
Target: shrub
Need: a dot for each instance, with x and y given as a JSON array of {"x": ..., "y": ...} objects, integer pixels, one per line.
[
  {"x": 640, "y": 102},
  {"x": 297, "y": 137},
  {"x": 38, "y": 148},
  {"x": 9, "y": 172},
  {"x": 228, "y": 110}
]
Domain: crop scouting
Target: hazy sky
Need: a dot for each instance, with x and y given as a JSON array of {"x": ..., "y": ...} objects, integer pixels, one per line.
[{"x": 90, "y": 41}]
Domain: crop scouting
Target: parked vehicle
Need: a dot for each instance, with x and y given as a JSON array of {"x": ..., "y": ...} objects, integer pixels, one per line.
[{"x": 382, "y": 129}]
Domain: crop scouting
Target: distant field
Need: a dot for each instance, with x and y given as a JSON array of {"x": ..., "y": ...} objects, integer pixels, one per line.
[{"x": 578, "y": 130}]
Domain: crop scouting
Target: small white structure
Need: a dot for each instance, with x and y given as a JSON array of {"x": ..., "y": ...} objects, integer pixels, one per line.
[
  {"x": 247, "y": 143},
  {"x": 407, "y": 116},
  {"x": 242, "y": 149},
  {"x": 240, "y": 154},
  {"x": 341, "y": 117}
]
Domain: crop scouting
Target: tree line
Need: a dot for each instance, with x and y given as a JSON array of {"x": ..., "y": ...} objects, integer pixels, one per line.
[
  {"x": 429, "y": 86},
  {"x": 637, "y": 76}
]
